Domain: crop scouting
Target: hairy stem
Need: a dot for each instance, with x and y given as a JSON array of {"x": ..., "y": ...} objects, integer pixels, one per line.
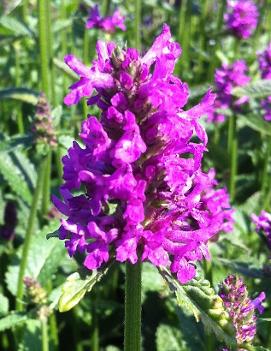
[
  {"x": 44, "y": 335},
  {"x": 132, "y": 326}
]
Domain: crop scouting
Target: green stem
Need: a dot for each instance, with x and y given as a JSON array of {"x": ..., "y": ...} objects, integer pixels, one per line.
[
  {"x": 138, "y": 24},
  {"x": 184, "y": 34},
  {"x": 95, "y": 334},
  {"x": 20, "y": 121},
  {"x": 24, "y": 10},
  {"x": 28, "y": 236},
  {"x": 106, "y": 7},
  {"x": 202, "y": 37},
  {"x": 43, "y": 42},
  {"x": 232, "y": 150},
  {"x": 44, "y": 335},
  {"x": 219, "y": 24},
  {"x": 50, "y": 55},
  {"x": 132, "y": 326},
  {"x": 46, "y": 201},
  {"x": 64, "y": 40}
]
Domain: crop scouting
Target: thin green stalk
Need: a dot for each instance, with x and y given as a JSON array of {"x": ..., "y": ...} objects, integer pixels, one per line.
[
  {"x": 64, "y": 41},
  {"x": 24, "y": 10},
  {"x": 95, "y": 334},
  {"x": 132, "y": 325},
  {"x": 44, "y": 335},
  {"x": 28, "y": 236},
  {"x": 46, "y": 191},
  {"x": 106, "y": 7},
  {"x": 43, "y": 42},
  {"x": 137, "y": 27},
  {"x": 232, "y": 149},
  {"x": 20, "y": 121},
  {"x": 219, "y": 25},
  {"x": 202, "y": 36},
  {"x": 51, "y": 55},
  {"x": 184, "y": 33}
]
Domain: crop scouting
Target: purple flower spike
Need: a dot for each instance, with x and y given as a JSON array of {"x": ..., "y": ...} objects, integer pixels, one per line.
[
  {"x": 264, "y": 59},
  {"x": 143, "y": 193},
  {"x": 241, "y": 17},
  {"x": 226, "y": 78},
  {"x": 263, "y": 224},
  {"x": 241, "y": 308},
  {"x": 107, "y": 24}
]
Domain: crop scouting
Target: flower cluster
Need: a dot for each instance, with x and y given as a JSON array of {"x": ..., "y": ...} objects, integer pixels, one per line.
[
  {"x": 263, "y": 224},
  {"x": 228, "y": 77},
  {"x": 42, "y": 127},
  {"x": 264, "y": 59},
  {"x": 241, "y": 17},
  {"x": 136, "y": 189},
  {"x": 241, "y": 308},
  {"x": 107, "y": 24}
]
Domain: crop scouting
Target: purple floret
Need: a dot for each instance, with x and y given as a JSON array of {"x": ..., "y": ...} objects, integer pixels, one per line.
[
  {"x": 107, "y": 24},
  {"x": 136, "y": 188},
  {"x": 263, "y": 224},
  {"x": 227, "y": 78},
  {"x": 241, "y": 17}
]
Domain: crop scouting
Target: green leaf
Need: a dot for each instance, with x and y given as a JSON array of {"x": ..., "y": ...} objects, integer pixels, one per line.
[
  {"x": 64, "y": 68},
  {"x": 15, "y": 142},
  {"x": 256, "y": 122},
  {"x": 256, "y": 89},
  {"x": 14, "y": 26},
  {"x": 4, "y": 305},
  {"x": 12, "y": 320},
  {"x": 199, "y": 298},
  {"x": 44, "y": 259},
  {"x": 31, "y": 338},
  {"x": 21, "y": 94},
  {"x": 169, "y": 338},
  {"x": 15, "y": 178},
  {"x": 151, "y": 279},
  {"x": 75, "y": 288}
]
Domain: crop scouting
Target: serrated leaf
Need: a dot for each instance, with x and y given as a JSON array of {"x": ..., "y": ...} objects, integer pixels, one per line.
[
  {"x": 256, "y": 122},
  {"x": 43, "y": 259},
  {"x": 4, "y": 305},
  {"x": 199, "y": 298},
  {"x": 21, "y": 94},
  {"x": 14, "y": 177},
  {"x": 12, "y": 320},
  {"x": 256, "y": 89},
  {"x": 15, "y": 142},
  {"x": 75, "y": 288}
]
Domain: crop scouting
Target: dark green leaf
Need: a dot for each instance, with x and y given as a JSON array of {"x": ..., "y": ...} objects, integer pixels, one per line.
[{"x": 21, "y": 94}]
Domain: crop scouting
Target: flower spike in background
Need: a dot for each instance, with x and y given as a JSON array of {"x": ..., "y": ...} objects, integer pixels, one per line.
[
  {"x": 241, "y": 17},
  {"x": 107, "y": 24}
]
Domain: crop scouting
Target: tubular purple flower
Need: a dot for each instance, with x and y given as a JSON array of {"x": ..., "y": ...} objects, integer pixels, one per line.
[
  {"x": 142, "y": 192},
  {"x": 107, "y": 24},
  {"x": 241, "y": 17},
  {"x": 226, "y": 78},
  {"x": 241, "y": 308}
]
